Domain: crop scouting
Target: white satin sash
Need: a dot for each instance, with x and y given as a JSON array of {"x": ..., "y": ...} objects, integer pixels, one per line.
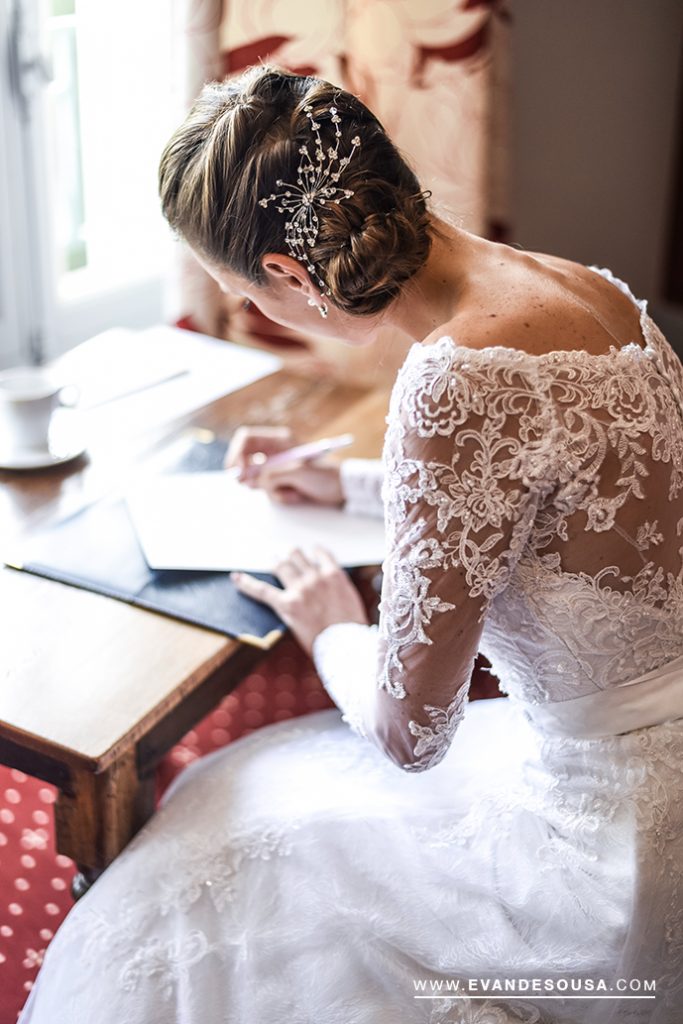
[{"x": 648, "y": 700}]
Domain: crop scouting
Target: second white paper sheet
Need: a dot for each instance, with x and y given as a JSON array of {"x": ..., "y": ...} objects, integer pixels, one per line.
[{"x": 210, "y": 521}]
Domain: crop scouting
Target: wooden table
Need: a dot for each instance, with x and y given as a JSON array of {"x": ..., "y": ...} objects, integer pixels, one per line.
[{"x": 94, "y": 691}]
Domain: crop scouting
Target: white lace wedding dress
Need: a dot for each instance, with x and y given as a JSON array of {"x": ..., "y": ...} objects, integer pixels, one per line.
[{"x": 339, "y": 868}]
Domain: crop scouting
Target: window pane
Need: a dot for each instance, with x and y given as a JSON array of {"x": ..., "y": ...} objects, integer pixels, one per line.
[
  {"x": 68, "y": 206},
  {"x": 115, "y": 98}
]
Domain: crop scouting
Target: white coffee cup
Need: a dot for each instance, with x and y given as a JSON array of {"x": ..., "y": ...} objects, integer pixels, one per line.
[{"x": 29, "y": 397}]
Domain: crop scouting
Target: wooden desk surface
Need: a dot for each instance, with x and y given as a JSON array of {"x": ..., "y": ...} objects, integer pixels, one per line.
[{"x": 83, "y": 676}]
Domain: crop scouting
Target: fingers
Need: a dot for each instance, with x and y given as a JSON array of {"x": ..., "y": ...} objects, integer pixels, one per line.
[
  {"x": 302, "y": 575},
  {"x": 284, "y": 483},
  {"x": 300, "y": 561},
  {"x": 247, "y": 441},
  {"x": 290, "y": 496},
  {"x": 259, "y": 590},
  {"x": 326, "y": 559},
  {"x": 289, "y": 474},
  {"x": 296, "y": 565},
  {"x": 300, "y": 482},
  {"x": 304, "y": 561},
  {"x": 289, "y": 570}
]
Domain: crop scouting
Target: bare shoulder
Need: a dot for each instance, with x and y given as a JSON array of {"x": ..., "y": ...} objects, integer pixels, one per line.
[{"x": 539, "y": 303}]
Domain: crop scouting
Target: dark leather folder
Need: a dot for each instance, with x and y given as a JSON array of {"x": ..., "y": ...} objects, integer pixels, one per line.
[{"x": 97, "y": 549}]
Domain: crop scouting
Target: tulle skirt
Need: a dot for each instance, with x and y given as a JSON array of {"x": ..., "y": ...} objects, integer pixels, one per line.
[{"x": 297, "y": 875}]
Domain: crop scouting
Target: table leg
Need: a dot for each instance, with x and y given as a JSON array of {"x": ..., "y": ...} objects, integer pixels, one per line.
[{"x": 99, "y": 814}]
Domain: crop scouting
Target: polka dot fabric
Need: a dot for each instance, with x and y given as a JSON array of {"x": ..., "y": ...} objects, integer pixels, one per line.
[
  {"x": 285, "y": 686},
  {"x": 35, "y": 881}
]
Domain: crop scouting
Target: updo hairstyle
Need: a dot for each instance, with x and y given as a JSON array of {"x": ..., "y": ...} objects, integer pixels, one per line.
[{"x": 242, "y": 135}]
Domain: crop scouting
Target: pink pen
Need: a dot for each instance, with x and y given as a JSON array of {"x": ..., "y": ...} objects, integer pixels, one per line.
[{"x": 303, "y": 452}]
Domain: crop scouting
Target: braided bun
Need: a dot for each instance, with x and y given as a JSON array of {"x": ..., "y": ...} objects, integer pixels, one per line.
[
  {"x": 243, "y": 135},
  {"x": 366, "y": 265}
]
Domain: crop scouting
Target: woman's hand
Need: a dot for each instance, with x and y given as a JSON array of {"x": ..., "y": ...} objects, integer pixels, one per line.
[
  {"x": 317, "y": 593},
  {"x": 293, "y": 483},
  {"x": 247, "y": 442}
]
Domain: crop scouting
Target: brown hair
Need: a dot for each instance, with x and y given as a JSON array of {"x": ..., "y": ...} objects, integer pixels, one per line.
[{"x": 242, "y": 135}]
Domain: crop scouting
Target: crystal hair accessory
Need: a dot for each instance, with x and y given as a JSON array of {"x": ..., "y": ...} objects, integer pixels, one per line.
[{"x": 316, "y": 185}]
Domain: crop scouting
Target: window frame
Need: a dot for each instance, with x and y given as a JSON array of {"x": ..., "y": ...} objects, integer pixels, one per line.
[{"x": 36, "y": 323}]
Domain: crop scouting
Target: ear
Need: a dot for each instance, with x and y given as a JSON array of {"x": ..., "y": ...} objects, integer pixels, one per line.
[{"x": 284, "y": 271}]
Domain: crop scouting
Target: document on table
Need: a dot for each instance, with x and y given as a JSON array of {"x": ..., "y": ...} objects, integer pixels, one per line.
[
  {"x": 210, "y": 521},
  {"x": 131, "y": 382}
]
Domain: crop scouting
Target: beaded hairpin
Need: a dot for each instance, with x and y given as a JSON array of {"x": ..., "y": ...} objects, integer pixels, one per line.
[{"x": 316, "y": 185}]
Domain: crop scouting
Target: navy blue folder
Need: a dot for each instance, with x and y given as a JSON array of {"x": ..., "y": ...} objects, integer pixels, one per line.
[{"x": 96, "y": 548}]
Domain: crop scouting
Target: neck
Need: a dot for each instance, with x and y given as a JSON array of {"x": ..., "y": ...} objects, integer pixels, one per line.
[{"x": 434, "y": 294}]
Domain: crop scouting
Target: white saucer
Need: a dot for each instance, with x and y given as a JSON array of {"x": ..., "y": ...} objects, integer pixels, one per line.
[
  {"x": 38, "y": 458},
  {"x": 66, "y": 443}
]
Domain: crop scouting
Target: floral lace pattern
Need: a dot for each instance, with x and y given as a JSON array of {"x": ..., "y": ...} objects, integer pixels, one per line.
[
  {"x": 434, "y": 739},
  {"x": 494, "y": 461},
  {"x": 163, "y": 962}
]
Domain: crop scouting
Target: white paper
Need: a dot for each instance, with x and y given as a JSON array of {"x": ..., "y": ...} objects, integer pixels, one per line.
[
  {"x": 119, "y": 363},
  {"x": 212, "y": 521},
  {"x": 203, "y": 369}
]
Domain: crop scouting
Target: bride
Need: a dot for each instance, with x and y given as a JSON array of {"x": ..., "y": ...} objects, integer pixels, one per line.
[{"x": 409, "y": 857}]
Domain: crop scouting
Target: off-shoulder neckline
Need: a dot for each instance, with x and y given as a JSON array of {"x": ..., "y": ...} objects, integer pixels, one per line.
[{"x": 643, "y": 346}]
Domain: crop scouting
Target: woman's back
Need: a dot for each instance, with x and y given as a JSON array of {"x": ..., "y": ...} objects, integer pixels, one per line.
[{"x": 596, "y": 594}]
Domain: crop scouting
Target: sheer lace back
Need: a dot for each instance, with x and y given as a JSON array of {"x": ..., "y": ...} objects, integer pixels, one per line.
[
  {"x": 534, "y": 512},
  {"x": 587, "y": 588},
  {"x": 608, "y": 535}
]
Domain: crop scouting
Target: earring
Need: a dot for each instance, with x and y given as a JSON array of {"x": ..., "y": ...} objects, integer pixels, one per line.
[{"x": 322, "y": 308}]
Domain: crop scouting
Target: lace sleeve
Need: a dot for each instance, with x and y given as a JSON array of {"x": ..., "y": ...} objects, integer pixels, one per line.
[
  {"x": 465, "y": 468},
  {"x": 361, "y": 483}
]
